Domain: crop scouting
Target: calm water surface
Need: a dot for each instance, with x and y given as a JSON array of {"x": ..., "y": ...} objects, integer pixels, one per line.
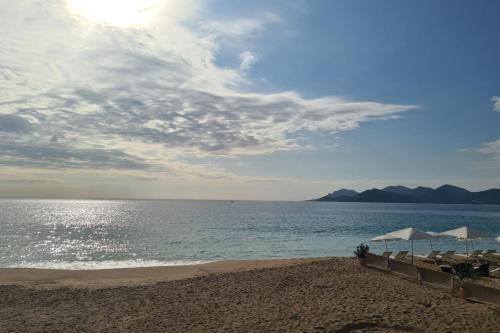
[{"x": 105, "y": 234}]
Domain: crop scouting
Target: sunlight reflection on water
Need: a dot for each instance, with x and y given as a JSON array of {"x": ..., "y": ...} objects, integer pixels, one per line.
[{"x": 91, "y": 233}]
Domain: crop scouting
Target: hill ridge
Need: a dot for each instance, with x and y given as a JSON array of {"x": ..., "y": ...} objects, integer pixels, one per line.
[{"x": 445, "y": 194}]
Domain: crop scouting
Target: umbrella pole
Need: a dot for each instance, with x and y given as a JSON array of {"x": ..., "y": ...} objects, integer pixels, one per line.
[
  {"x": 430, "y": 241},
  {"x": 412, "y": 251},
  {"x": 385, "y": 242},
  {"x": 467, "y": 248}
]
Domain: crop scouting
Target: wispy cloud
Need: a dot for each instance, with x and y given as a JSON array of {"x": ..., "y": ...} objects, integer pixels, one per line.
[
  {"x": 492, "y": 149},
  {"x": 240, "y": 29},
  {"x": 248, "y": 59},
  {"x": 74, "y": 94},
  {"x": 496, "y": 103}
]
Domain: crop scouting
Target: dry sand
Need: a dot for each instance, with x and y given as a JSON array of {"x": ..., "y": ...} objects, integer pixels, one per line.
[{"x": 322, "y": 295}]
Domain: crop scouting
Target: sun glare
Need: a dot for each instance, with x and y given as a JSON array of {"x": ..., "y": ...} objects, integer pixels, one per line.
[{"x": 119, "y": 13}]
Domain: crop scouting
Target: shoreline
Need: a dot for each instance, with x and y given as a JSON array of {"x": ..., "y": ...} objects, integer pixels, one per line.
[{"x": 129, "y": 276}]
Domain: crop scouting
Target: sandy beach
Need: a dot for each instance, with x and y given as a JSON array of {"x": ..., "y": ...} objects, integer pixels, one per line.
[
  {"x": 104, "y": 278},
  {"x": 297, "y": 295}
]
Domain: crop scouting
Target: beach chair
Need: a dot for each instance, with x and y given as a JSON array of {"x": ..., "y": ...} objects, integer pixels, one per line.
[
  {"x": 472, "y": 255},
  {"x": 488, "y": 253},
  {"x": 401, "y": 255},
  {"x": 387, "y": 254},
  {"x": 431, "y": 257},
  {"x": 490, "y": 256},
  {"x": 475, "y": 254},
  {"x": 446, "y": 255},
  {"x": 449, "y": 254},
  {"x": 446, "y": 258}
]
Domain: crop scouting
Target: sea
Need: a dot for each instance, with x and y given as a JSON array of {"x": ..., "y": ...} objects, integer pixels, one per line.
[{"x": 98, "y": 234}]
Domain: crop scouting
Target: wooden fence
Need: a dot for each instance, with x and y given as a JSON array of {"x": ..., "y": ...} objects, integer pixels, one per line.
[
  {"x": 375, "y": 261},
  {"x": 477, "y": 293},
  {"x": 473, "y": 292},
  {"x": 404, "y": 268}
]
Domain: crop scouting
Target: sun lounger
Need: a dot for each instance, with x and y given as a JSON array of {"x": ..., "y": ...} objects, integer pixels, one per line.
[
  {"x": 473, "y": 255},
  {"x": 489, "y": 253},
  {"x": 446, "y": 258},
  {"x": 387, "y": 254},
  {"x": 446, "y": 255},
  {"x": 401, "y": 255},
  {"x": 432, "y": 256},
  {"x": 490, "y": 256}
]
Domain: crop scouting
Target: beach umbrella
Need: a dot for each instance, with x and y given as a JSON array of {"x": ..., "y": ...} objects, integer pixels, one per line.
[
  {"x": 383, "y": 238},
  {"x": 410, "y": 234},
  {"x": 434, "y": 235},
  {"x": 466, "y": 233}
]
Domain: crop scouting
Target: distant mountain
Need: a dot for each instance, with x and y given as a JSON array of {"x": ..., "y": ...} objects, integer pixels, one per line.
[
  {"x": 375, "y": 195},
  {"x": 398, "y": 189},
  {"x": 416, "y": 192},
  {"x": 488, "y": 197},
  {"x": 421, "y": 190},
  {"x": 339, "y": 195},
  {"x": 446, "y": 194}
]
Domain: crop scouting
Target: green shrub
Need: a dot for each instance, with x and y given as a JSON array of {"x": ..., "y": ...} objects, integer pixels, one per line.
[
  {"x": 464, "y": 270},
  {"x": 361, "y": 250}
]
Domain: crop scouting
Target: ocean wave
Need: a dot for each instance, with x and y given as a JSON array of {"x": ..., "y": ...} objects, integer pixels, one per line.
[{"x": 106, "y": 264}]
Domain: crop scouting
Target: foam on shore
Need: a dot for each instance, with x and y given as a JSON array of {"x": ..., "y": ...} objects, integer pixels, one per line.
[{"x": 106, "y": 264}]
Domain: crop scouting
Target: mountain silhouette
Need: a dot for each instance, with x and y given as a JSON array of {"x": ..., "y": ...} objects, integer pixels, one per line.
[
  {"x": 446, "y": 194},
  {"x": 398, "y": 189},
  {"x": 488, "y": 197},
  {"x": 376, "y": 195},
  {"x": 342, "y": 194}
]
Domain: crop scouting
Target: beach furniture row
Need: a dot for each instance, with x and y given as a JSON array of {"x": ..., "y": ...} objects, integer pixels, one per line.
[
  {"x": 486, "y": 262},
  {"x": 446, "y": 280}
]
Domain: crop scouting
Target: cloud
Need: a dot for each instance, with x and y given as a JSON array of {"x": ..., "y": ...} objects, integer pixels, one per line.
[
  {"x": 248, "y": 59},
  {"x": 492, "y": 149},
  {"x": 496, "y": 103},
  {"x": 26, "y": 181},
  {"x": 242, "y": 28},
  {"x": 75, "y": 94},
  {"x": 49, "y": 156},
  {"x": 146, "y": 179}
]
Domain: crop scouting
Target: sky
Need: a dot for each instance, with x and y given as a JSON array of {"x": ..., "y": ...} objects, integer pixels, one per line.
[{"x": 260, "y": 100}]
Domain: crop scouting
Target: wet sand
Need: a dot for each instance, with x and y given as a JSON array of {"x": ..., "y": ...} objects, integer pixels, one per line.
[{"x": 321, "y": 295}]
